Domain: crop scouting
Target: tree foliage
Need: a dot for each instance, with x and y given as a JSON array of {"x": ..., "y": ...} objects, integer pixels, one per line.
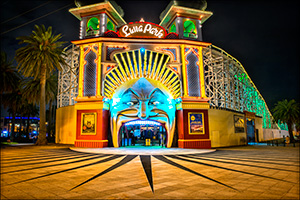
[
  {"x": 42, "y": 50},
  {"x": 9, "y": 76},
  {"x": 287, "y": 112},
  {"x": 31, "y": 89}
]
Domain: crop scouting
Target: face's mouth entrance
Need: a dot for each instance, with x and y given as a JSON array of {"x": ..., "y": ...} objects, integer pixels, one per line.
[
  {"x": 143, "y": 133},
  {"x": 142, "y": 122}
]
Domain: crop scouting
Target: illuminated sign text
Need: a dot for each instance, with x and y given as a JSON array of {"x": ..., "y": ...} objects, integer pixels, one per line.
[{"x": 142, "y": 30}]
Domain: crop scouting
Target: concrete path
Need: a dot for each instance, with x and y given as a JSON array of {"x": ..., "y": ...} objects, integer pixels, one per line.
[{"x": 58, "y": 172}]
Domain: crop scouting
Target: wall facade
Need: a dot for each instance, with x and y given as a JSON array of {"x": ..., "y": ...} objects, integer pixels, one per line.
[{"x": 65, "y": 132}]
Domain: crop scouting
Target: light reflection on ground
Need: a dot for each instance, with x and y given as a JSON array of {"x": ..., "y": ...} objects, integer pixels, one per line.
[{"x": 138, "y": 150}]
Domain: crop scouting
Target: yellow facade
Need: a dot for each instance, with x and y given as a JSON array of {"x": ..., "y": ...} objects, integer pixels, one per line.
[
  {"x": 65, "y": 125},
  {"x": 221, "y": 129}
]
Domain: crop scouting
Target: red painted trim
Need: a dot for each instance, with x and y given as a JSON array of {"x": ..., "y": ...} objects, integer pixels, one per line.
[
  {"x": 102, "y": 125},
  {"x": 204, "y": 144},
  {"x": 186, "y": 125},
  {"x": 180, "y": 126},
  {"x": 91, "y": 144},
  {"x": 113, "y": 32}
]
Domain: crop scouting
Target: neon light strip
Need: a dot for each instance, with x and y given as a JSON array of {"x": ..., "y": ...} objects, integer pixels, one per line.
[
  {"x": 142, "y": 122},
  {"x": 185, "y": 93},
  {"x": 140, "y": 65},
  {"x": 145, "y": 64},
  {"x": 135, "y": 64},
  {"x": 99, "y": 70},
  {"x": 165, "y": 75},
  {"x": 163, "y": 69},
  {"x": 154, "y": 66},
  {"x": 80, "y": 81},
  {"x": 123, "y": 76},
  {"x": 126, "y": 67},
  {"x": 110, "y": 84},
  {"x": 149, "y": 66},
  {"x": 159, "y": 66},
  {"x": 130, "y": 64},
  {"x": 115, "y": 76},
  {"x": 201, "y": 71}
]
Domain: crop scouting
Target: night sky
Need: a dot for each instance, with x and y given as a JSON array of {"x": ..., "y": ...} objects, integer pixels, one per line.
[{"x": 262, "y": 35}]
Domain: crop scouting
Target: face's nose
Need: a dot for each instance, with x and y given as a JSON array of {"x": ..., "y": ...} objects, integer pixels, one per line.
[{"x": 143, "y": 110}]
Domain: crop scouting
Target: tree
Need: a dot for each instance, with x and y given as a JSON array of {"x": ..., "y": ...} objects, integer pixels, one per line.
[
  {"x": 13, "y": 101},
  {"x": 9, "y": 77},
  {"x": 42, "y": 54},
  {"x": 31, "y": 90},
  {"x": 287, "y": 112}
]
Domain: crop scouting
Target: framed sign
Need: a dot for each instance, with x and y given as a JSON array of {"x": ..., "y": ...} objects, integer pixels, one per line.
[
  {"x": 239, "y": 124},
  {"x": 88, "y": 123},
  {"x": 196, "y": 123}
]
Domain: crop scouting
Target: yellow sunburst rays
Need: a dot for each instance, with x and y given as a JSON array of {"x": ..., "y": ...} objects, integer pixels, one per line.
[
  {"x": 154, "y": 66},
  {"x": 149, "y": 65},
  {"x": 145, "y": 64},
  {"x": 133, "y": 74},
  {"x": 135, "y": 65},
  {"x": 130, "y": 66}
]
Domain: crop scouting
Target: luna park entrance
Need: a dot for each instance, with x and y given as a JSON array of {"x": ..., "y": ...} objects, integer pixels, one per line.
[{"x": 143, "y": 135}]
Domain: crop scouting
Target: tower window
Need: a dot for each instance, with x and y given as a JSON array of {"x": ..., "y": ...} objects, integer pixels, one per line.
[
  {"x": 173, "y": 29},
  {"x": 189, "y": 29},
  {"x": 110, "y": 26},
  {"x": 92, "y": 26}
]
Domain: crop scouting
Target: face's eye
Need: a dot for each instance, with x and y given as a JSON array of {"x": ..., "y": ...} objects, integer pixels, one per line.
[
  {"x": 130, "y": 103},
  {"x": 155, "y": 103}
]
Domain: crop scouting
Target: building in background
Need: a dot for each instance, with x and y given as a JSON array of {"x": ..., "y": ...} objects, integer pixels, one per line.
[
  {"x": 20, "y": 126},
  {"x": 162, "y": 83}
]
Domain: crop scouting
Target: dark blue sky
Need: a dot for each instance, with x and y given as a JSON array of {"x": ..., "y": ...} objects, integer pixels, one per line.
[{"x": 262, "y": 35}]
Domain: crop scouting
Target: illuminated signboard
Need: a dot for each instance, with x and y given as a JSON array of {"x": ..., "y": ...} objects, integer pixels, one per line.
[{"x": 142, "y": 30}]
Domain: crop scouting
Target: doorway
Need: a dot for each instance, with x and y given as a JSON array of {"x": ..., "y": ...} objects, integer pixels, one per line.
[
  {"x": 143, "y": 134},
  {"x": 251, "y": 131}
]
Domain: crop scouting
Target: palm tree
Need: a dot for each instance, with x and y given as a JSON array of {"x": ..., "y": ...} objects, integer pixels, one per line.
[
  {"x": 13, "y": 101},
  {"x": 287, "y": 112},
  {"x": 31, "y": 90},
  {"x": 9, "y": 77},
  {"x": 42, "y": 54}
]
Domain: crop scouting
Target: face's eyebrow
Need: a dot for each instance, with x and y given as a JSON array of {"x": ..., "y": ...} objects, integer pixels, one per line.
[
  {"x": 130, "y": 91},
  {"x": 156, "y": 90}
]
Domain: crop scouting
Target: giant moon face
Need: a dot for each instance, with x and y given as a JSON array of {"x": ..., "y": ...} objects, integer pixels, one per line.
[{"x": 142, "y": 99}]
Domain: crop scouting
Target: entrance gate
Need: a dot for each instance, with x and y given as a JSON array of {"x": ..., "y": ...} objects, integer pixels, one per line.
[{"x": 141, "y": 134}]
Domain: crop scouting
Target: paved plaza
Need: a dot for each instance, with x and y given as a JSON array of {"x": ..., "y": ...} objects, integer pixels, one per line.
[{"x": 65, "y": 172}]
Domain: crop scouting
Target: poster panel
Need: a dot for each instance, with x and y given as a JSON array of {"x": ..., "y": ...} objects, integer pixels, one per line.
[
  {"x": 88, "y": 123},
  {"x": 239, "y": 124},
  {"x": 196, "y": 123}
]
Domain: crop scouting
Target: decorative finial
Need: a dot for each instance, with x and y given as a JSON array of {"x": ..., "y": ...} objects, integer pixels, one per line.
[{"x": 142, "y": 20}]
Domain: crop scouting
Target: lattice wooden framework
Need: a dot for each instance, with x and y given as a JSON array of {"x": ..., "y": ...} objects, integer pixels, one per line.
[
  {"x": 68, "y": 78},
  {"x": 229, "y": 86}
]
